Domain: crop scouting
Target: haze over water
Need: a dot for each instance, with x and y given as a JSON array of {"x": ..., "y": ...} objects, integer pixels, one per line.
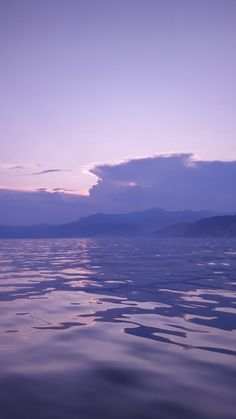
[{"x": 118, "y": 328}]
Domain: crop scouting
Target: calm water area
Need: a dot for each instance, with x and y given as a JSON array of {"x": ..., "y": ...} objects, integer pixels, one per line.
[{"x": 140, "y": 328}]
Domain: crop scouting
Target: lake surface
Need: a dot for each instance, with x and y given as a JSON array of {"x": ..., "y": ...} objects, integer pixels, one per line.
[{"x": 118, "y": 328}]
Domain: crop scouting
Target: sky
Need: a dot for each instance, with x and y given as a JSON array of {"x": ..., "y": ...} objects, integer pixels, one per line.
[{"x": 92, "y": 82}]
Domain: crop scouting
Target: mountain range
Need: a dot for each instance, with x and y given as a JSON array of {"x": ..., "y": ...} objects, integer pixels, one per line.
[{"x": 154, "y": 222}]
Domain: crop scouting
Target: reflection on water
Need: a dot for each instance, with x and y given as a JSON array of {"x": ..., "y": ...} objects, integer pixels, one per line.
[{"x": 123, "y": 328}]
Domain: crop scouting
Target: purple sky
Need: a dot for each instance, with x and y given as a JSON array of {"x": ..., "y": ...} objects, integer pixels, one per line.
[{"x": 87, "y": 81}]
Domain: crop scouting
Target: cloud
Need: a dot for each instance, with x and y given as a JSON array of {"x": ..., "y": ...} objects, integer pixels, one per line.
[
  {"x": 44, "y": 172},
  {"x": 40, "y": 206},
  {"x": 63, "y": 190},
  {"x": 28, "y": 169},
  {"x": 18, "y": 168},
  {"x": 173, "y": 181}
]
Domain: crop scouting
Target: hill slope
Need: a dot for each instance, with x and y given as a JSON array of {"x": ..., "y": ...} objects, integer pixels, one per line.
[{"x": 218, "y": 226}]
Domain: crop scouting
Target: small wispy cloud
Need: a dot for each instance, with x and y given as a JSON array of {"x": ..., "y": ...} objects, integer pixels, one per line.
[
  {"x": 19, "y": 167},
  {"x": 44, "y": 172},
  {"x": 28, "y": 169},
  {"x": 16, "y": 167},
  {"x": 60, "y": 190},
  {"x": 63, "y": 190}
]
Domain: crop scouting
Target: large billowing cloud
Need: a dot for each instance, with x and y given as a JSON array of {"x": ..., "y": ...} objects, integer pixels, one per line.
[
  {"x": 172, "y": 182},
  {"x": 176, "y": 181}
]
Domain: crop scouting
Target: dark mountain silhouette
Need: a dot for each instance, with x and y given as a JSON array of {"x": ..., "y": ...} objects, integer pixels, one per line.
[
  {"x": 129, "y": 224},
  {"x": 217, "y": 226}
]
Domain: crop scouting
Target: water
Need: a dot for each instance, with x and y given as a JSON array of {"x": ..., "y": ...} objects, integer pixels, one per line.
[{"x": 118, "y": 328}]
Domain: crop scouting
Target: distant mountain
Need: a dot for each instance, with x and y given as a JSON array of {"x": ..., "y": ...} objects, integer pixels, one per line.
[
  {"x": 217, "y": 226},
  {"x": 146, "y": 220},
  {"x": 129, "y": 224}
]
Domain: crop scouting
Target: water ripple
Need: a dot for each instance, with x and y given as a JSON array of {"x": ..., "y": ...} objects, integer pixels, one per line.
[{"x": 152, "y": 321}]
